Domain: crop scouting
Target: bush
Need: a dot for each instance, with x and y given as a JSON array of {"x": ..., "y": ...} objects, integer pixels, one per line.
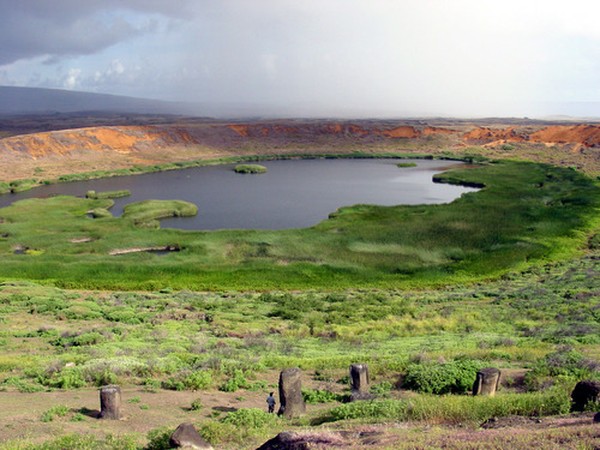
[
  {"x": 251, "y": 418},
  {"x": 158, "y": 439},
  {"x": 216, "y": 432},
  {"x": 454, "y": 377},
  {"x": 196, "y": 405},
  {"x": 321, "y": 396},
  {"x": 565, "y": 365},
  {"x": 236, "y": 381},
  {"x": 200, "y": 379},
  {"x": 68, "y": 378},
  {"x": 382, "y": 389},
  {"x": 55, "y": 411},
  {"x": 194, "y": 381}
]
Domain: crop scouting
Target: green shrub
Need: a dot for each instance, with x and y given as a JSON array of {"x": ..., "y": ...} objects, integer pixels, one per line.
[
  {"x": 236, "y": 381},
  {"x": 454, "y": 377},
  {"x": 197, "y": 380},
  {"x": 158, "y": 439},
  {"x": 250, "y": 418},
  {"x": 321, "y": 396},
  {"x": 382, "y": 389},
  {"x": 564, "y": 366},
  {"x": 217, "y": 432},
  {"x": 55, "y": 411},
  {"x": 22, "y": 385},
  {"x": 67, "y": 378},
  {"x": 196, "y": 405}
]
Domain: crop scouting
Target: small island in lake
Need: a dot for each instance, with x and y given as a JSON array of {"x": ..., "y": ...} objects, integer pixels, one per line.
[{"x": 250, "y": 168}]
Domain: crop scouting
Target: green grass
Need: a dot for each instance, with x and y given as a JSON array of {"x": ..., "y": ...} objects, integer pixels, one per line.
[
  {"x": 544, "y": 320},
  {"x": 526, "y": 214},
  {"x": 406, "y": 164},
  {"x": 454, "y": 409},
  {"x": 147, "y": 212},
  {"x": 250, "y": 168},
  {"x": 108, "y": 194}
]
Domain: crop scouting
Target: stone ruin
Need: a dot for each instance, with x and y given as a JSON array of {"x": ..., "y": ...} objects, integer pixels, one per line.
[
  {"x": 585, "y": 392},
  {"x": 186, "y": 436},
  {"x": 359, "y": 379},
  {"x": 487, "y": 382},
  {"x": 290, "y": 394},
  {"x": 110, "y": 402}
]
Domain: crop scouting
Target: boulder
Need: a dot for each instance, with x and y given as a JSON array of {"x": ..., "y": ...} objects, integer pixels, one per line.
[
  {"x": 290, "y": 394},
  {"x": 110, "y": 402},
  {"x": 585, "y": 391},
  {"x": 292, "y": 440},
  {"x": 486, "y": 382},
  {"x": 186, "y": 436}
]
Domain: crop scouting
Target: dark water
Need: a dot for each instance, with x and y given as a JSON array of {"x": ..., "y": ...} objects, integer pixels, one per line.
[{"x": 292, "y": 194}]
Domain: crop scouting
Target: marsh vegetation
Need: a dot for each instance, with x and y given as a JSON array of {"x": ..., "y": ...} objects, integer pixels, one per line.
[
  {"x": 526, "y": 213},
  {"x": 425, "y": 295},
  {"x": 250, "y": 168}
]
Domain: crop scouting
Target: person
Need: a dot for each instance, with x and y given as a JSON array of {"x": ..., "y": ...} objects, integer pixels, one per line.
[{"x": 271, "y": 403}]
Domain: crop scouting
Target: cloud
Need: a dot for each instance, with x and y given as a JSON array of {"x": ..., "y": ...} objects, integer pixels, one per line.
[
  {"x": 465, "y": 57},
  {"x": 60, "y": 28}
]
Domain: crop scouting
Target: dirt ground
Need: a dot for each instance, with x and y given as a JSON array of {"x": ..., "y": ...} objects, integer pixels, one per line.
[{"x": 20, "y": 413}]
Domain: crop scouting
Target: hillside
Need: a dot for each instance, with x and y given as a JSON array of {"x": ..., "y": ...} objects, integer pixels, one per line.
[
  {"x": 24, "y": 100},
  {"x": 163, "y": 140}
]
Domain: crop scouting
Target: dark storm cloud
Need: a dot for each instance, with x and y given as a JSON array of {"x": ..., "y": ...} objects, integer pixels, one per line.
[{"x": 33, "y": 28}]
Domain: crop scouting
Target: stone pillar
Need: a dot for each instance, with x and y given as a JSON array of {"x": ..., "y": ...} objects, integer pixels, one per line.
[
  {"x": 186, "y": 436},
  {"x": 290, "y": 394},
  {"x": 359, "y": 377},
  {"x": 486, "y": 382},
  {"x": 110, "y": 402},
  {"x": 585, "y": 391}
]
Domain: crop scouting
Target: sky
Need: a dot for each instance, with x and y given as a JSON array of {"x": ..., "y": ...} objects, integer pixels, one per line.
[{"x": 465, "y": 58}]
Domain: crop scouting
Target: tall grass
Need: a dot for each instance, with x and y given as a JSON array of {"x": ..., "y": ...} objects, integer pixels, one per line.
[{"x": 454, "y": 409}]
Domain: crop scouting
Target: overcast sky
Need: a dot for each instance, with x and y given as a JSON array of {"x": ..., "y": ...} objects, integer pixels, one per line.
[{"x": 315, "y": 57}]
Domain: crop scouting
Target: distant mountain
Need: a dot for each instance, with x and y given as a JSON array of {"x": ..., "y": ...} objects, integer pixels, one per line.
[{"x": 25, "y": 100}]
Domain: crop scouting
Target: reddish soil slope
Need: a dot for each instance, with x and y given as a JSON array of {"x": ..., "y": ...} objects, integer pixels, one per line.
[{"x": 50, "y": 154}]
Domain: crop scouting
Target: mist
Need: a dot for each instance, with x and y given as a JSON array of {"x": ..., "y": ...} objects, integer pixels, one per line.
[{"x": 315, "y": 58}]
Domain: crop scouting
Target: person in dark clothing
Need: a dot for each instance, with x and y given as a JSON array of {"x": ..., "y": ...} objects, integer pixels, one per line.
[{"x": 271, "y": 403}]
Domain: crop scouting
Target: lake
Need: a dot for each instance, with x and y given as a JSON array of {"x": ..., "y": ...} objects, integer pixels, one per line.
[{"x": 292, "y": 194}]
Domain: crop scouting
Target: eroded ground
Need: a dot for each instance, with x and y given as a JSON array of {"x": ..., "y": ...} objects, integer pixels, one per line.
[{"x": 50, "y": 154}]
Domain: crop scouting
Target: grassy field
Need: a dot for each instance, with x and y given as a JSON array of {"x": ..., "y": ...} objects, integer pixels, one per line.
[
  {"x": 196, "y": 325},
  {"x": 224, "y": 349},
  {"x": 525, "y": 214}
]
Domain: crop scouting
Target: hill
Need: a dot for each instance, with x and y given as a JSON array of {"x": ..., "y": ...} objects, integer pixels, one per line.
[{"x": 25, "y": 100}]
